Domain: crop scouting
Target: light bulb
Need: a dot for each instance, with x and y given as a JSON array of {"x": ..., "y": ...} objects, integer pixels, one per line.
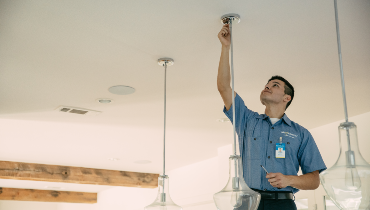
[
  {"x": 236, "y": 199},
  {"x": 352, "y": 179},
  {"x": 236, "y": 194}
]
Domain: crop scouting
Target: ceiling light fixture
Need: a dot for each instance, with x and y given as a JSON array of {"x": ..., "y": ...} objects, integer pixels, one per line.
[
  {"x": 104, "y": 100},
  {"x": 121, "y": 90},
  {"x": 163, "y": 200},
  {"x": 223, "y": 120},
  {"x": 347, "y": 183},
  {"x": 236, "y": 194}
]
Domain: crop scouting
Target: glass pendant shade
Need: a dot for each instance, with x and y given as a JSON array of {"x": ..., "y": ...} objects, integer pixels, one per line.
[
  {"x": 163, "y": 200},
  {"x": 236, "y": 194},
  {"x": 348, "y": 181}
]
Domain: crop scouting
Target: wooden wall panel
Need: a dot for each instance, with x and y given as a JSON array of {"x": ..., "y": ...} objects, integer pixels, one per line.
[
  {"x": 16, "y": 194},
  {"x": 78, "y": 175}
]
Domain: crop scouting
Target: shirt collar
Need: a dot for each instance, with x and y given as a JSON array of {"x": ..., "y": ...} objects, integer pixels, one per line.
[
  {"x": 262, "y": 116},
  {"x": 285, "y": 118}
]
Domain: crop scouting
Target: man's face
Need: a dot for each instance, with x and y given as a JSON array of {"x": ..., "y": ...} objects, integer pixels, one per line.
[{"x": 273, "y": 93}]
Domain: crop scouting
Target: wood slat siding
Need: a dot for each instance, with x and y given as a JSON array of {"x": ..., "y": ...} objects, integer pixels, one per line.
[
  {"x": 16, "y": 194},
  {"x": 78, "y": 175}
]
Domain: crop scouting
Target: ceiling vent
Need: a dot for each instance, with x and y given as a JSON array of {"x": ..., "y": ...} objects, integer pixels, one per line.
[{"x": 74, "y": 110}]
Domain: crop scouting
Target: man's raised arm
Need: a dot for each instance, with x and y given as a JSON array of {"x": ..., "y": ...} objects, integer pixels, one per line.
[{"x": 223, "y": 76}]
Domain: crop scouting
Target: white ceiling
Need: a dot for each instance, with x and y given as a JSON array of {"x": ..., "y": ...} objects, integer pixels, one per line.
[{"x": 69, "y": 53}]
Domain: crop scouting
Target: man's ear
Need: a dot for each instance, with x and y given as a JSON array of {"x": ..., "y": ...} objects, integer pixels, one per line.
[{"x": 287, "y": 98}]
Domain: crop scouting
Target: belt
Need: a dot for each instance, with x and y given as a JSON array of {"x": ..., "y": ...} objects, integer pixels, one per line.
[{"x": 275, "y": 194}]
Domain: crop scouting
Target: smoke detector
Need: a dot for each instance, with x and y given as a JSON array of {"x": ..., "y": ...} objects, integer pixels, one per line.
[{"x": 80, "y": 111}]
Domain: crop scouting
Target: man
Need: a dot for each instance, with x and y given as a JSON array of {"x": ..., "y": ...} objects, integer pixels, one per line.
[{"x": 271, "y": 140}]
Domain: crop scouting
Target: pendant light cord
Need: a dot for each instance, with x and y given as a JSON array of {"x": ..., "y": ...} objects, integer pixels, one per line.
[
  {"x": 232, "y": 80},
  {"x": 340, "y": 61},
  {"x": 164, "y": 132},
  {"x": 341, "y": 72}
]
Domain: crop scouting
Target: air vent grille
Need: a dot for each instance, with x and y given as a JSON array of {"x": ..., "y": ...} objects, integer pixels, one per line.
[
  {"x": 65, "y": 110},
  {"x": 76, "y": 111},
  {"x": 79, "y": 111}
]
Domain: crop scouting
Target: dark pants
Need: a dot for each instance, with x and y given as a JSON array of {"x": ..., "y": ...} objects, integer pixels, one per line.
[
  {"x": 267, "y": 204},
  {"x": 277, "y": 204}
]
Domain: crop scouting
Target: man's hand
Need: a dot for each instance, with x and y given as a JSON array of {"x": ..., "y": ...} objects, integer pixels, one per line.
[
  {"x": 224, "y": 36},
  {"x": 309, "y": 181},
  {"x": 278, "y": 180}
]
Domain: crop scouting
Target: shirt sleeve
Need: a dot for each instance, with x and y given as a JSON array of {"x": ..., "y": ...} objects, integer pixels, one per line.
[
  {"x": 242, "y": 114},
  {"x": 309, "y": 156}
]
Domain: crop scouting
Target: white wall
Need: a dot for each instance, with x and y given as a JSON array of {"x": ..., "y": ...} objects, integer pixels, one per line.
[
  {"x": 193, "y": 186},
  {"x": 75, "y": 206},
  {"x": 25, "y": 205}
]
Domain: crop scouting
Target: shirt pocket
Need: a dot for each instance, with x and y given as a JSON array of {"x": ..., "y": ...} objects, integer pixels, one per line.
[
  {"x": 292, "y": 147},
  {"x": 252, "y": 148}
]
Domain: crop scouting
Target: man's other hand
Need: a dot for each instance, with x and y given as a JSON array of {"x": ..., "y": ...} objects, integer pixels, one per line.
[{"x": 278, "y": 180}]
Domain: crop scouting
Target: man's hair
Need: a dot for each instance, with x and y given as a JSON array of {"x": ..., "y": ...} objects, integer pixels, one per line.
[{"x": 288, "y": 88}]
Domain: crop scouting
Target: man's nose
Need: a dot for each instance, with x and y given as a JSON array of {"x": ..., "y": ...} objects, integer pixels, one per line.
[{"x": 267, "y": 88}]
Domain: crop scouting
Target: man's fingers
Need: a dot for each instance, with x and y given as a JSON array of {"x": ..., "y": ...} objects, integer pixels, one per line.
[
  {"x": 224, "y": 32},
  {"x": 276, "y": 184},
  {"x": 271, "y": 175},
  {"x": 272, "y": 180}
]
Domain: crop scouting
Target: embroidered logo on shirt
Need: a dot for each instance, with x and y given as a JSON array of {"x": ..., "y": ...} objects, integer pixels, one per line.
[{"x": 289, "y": 134}]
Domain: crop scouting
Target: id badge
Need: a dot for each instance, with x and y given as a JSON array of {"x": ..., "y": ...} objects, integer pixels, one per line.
[{"x": 280, "y": 150}]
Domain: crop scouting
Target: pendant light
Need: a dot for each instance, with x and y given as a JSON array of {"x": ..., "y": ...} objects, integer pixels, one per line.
[
  {"x": 163, "y": 200},
  {"x": 236, "y": 194},
  {"x": 347, "y": 183}
]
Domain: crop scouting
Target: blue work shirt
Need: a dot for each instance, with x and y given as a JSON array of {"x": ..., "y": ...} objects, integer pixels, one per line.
[{"x": 257, "y": 144}]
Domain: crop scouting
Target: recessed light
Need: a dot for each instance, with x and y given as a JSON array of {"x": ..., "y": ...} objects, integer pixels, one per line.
[
  {"x": 113, "y": 159},
  {"x": 121, "y": 90},
  {"x": 222, "y": 120},
  {"x": 104, "y": 100},
  {"x": 142, "y": 161}
]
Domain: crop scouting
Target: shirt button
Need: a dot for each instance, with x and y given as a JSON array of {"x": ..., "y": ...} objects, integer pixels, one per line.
[
  {"x": 272, "y": 128},
  {"x": 268, "y": 157},
  {"x": 288, "y": 143},
  {"x": 271, "y": 142},
  {"x": 255, "y": 138}
]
